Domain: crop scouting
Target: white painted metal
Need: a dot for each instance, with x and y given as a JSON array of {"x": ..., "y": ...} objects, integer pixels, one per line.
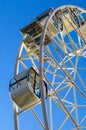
[{"x": 62, "y": 66}]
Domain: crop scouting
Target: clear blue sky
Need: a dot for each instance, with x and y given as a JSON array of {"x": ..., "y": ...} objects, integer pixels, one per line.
[{"x": 15, "y": 14}]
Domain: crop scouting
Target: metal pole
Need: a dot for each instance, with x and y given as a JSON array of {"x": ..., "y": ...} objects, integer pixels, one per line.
[
  {"x": 51, "y": 125},
  {"x": 41, "y": 84},
  {"x": 16, "y": 124},
  {"x": 41, "y": 60},
  {"x": 15, "y": 108}
]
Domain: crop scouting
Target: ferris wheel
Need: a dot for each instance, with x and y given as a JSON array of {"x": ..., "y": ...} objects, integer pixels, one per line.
[{"x": 50, "y": 70}]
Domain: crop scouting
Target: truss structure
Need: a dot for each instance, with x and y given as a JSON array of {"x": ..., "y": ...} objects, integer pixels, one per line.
[{"x": 56, "y": 40}]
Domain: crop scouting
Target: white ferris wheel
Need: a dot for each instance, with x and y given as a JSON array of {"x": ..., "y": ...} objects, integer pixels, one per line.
[{"x": 50, "y": 70}]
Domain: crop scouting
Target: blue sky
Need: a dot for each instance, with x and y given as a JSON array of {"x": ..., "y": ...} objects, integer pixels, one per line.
[{"x": 15, "y": 14}]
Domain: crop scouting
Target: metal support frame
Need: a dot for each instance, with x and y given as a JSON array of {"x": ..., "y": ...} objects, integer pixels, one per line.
[
  {"x": 41, "y": 69},
  {"x": 41, "y": 60}
]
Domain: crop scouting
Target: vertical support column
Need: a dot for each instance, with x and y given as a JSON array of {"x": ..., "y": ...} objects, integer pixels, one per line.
[
  {"x": 41, "y": 60},
  {"x": 41, "y": 84},
  {"x": 16, "y": 124},
  {"x": 51, "y": 125},
  {"x": 15, "y": 108}
]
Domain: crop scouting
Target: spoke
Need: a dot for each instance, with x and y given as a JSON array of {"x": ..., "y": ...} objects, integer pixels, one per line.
[
  {"x": 34, "y": 113},
  {"x": 67, "y": 113},
  {"x": 65, "y": 120}
]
